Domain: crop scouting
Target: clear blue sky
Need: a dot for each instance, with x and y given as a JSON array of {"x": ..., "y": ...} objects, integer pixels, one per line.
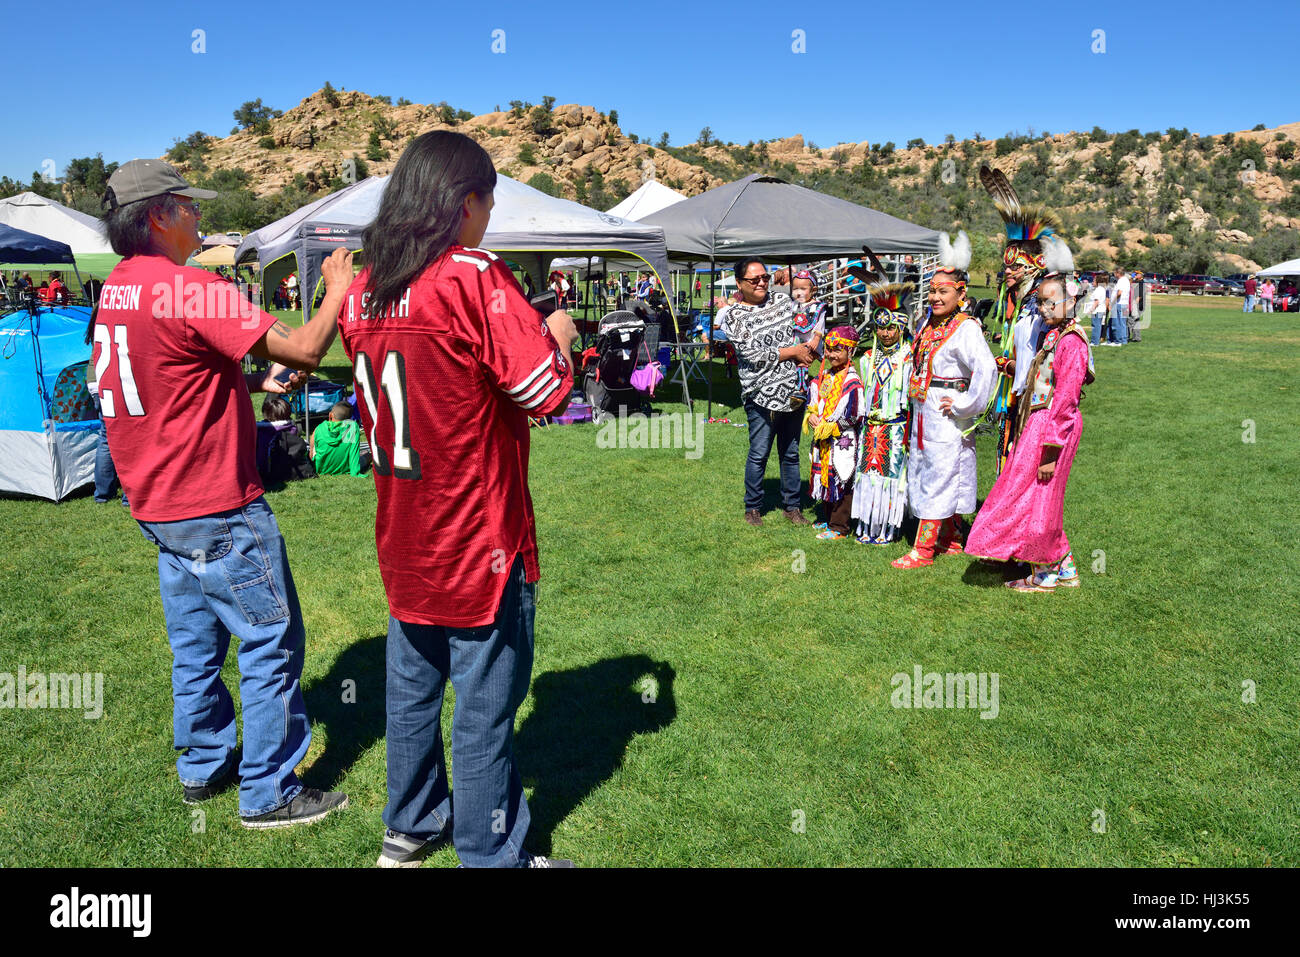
[{"x": 122, "y": 79}]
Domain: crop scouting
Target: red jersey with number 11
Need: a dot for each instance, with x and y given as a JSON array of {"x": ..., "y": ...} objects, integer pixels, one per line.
[{"x": 446, "y": 381}]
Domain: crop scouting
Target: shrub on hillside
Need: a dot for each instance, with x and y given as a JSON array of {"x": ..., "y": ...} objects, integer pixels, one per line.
[{"x": 544, "y": 182}]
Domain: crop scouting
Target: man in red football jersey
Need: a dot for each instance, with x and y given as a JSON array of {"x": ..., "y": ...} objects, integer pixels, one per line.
[
  {"x": 168, "y": 345},
  {"x": 450, "y": 361}
]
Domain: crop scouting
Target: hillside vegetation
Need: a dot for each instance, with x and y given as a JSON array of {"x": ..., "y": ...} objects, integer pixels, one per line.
[{"x": 1165, "y": 202}]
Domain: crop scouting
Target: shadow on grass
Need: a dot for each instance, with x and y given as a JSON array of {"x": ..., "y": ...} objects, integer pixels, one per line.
[
  {"x": 991, "y": 576},
  {"x": 572, "y": 742},
  {"x": 351, "y": 727},
  {"x": 580, "y": 726}
]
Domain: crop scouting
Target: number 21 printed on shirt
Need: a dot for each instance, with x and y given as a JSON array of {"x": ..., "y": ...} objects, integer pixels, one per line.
[
  {"x": 130, "y": 394},
  {"x": 404, "y": 461}
]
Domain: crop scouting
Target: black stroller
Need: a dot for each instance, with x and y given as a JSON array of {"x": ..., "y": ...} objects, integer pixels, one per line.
[{"x": 624, "y": 343}]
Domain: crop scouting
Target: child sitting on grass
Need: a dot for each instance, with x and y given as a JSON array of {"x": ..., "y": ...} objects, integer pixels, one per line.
[
  {"x": 835, "y": 416},
  {"x": 281, "y": 453},
  {"x": 336, "y": 443}
]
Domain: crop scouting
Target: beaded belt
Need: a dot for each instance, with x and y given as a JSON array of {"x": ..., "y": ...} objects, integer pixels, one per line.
[{"x": 961, "y": 385}]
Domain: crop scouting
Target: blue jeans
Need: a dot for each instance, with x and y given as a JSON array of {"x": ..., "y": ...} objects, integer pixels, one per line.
[
  {"x": 222, "y": 574},
  {"x": 766, "y": 426},
  {"x": 1098, "y": 321},
  {"x": 1248, "y": 304},
  {"x": 1119, "y": 325},
  {"x": 105, "y": 470},
  {"x": 490, "y": 668}
]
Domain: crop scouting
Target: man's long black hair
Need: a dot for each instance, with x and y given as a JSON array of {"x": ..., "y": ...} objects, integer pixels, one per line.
[{"x": 421, "y": 212}]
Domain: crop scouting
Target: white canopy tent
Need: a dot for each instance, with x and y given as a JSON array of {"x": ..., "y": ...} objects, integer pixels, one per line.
[
  {"x": 650, "y": 197},
  {"x": 221, "y": 239},
  {"x": 44, "y": 217},
  {"x": 527, "y": 226},
  {"x": 1289, "y": 268}
]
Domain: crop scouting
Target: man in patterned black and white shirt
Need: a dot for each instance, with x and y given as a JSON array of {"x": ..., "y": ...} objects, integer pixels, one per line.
[{"x": 761, "y": 327}]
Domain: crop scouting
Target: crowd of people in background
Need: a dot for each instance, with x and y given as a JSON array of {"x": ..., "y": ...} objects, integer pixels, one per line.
[
  {"x": 51, "y": 291},
  {"x": 1115, "y": 307},
  {"x": 1264, "y": 293},
  {"x": 285, "y": 295}
]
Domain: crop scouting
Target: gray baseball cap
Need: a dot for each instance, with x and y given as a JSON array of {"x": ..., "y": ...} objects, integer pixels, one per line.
[{"x": 145, "y": 178}]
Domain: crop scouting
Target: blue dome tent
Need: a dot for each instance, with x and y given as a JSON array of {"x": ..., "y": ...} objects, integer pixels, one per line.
[{"x": 48, "y": 426}]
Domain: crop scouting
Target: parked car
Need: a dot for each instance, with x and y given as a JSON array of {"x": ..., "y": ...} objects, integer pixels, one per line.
[
  {"x": 1232, "y": 287},
  {"x": 1198, "y": 284}
]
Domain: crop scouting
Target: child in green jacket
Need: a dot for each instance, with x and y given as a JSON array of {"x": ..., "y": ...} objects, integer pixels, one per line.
[{"x": 336, "y": 443}]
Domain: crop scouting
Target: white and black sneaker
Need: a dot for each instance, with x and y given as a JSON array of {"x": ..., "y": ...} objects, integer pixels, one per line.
[
  {"x": 536, "y": 860},
  {"x": 309, "y": 805},
  {"x": 403, "y": 850}
]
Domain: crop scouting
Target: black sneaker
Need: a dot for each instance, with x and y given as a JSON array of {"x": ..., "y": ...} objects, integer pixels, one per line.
[
  {"x": 310, "y": 805},
  {"x": 403, "y": 850},
  {"x": 536, "y": 860},
  {"x": 204, "y": 792}
]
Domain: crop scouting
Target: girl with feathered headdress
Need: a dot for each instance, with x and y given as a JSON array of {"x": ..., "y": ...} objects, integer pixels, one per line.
[
  {"x": 880, "y": 489},
  {"x": 953, "y": 376}
]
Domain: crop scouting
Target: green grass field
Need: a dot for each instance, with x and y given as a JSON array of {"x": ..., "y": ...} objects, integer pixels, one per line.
[{"x": 697, "y": 700}]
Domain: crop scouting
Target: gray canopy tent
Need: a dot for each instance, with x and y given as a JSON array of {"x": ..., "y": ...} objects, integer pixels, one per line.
[{"x": 771, "y": 218}]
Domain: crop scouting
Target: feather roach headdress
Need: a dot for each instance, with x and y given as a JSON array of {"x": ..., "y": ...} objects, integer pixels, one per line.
[
  {"x": 889, "y": 304},
  {"x": 1026, "y": 226}
]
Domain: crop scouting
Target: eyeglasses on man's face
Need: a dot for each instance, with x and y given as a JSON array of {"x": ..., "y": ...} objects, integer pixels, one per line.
[{"x": 764, "y": 279}]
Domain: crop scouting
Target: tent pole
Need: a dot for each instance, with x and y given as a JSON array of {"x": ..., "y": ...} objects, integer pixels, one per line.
[
  {"x": 81, "y": 282},
  {"x": 677, "y": 333},
  {"x": 586, "y": 302},
  {"x": 708, "y": 338}
]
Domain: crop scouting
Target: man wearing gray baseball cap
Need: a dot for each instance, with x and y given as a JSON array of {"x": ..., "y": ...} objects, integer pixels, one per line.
[{"x": 169, "y": 340}]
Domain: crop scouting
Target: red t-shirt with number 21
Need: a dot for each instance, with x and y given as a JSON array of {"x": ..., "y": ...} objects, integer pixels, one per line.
[{"x": 168, "y": 345}]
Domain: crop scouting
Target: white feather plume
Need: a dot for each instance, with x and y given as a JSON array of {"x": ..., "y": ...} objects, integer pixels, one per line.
[
  {"x": 954, "y": 255},
  {"x": 1057, "y": 257}
]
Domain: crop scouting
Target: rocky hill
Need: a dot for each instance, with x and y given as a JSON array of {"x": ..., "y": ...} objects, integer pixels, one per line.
[
  {"x": 1168, "y": 201},
  {"x": 317, "y": 137}
]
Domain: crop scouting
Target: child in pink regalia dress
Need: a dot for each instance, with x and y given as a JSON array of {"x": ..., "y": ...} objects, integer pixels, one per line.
[{"x": 1023, "y": 517}]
